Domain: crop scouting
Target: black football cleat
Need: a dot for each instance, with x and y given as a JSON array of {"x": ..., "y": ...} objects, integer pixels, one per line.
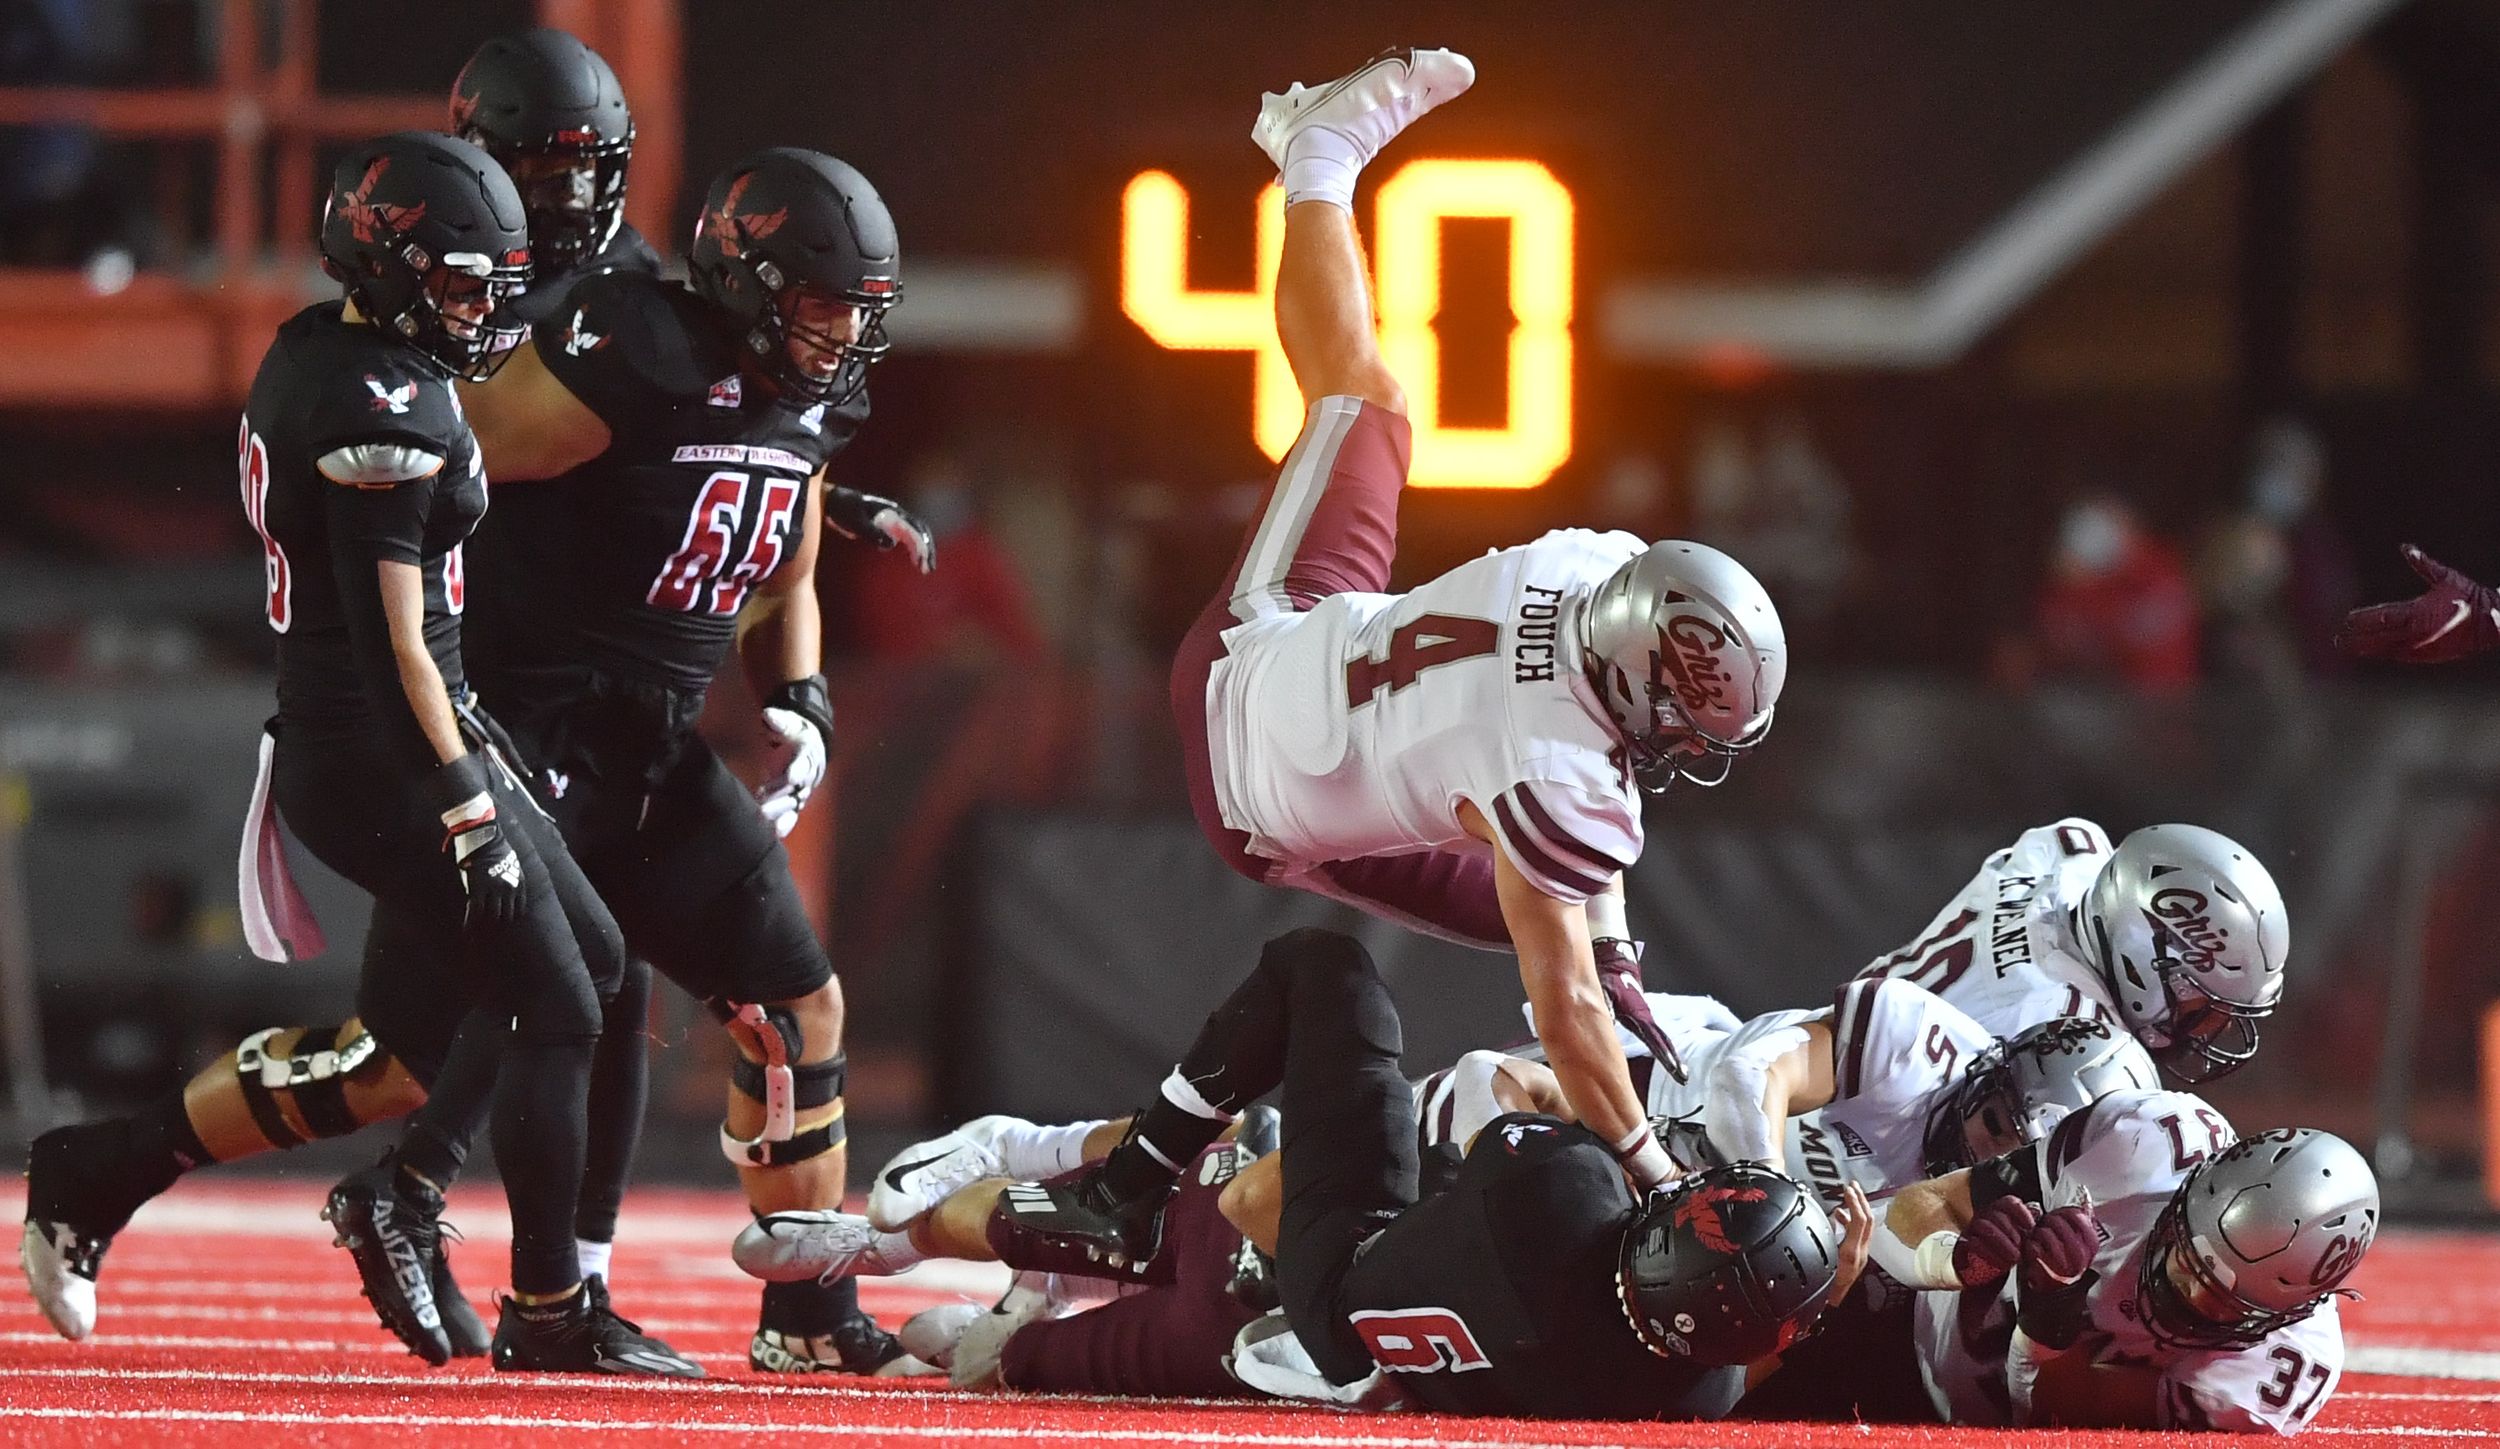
[
  {"x": 582, "y": 1335},
  {"x": 392, "y": 1227},
  {"x": 1078, "y": 1227},
  {"x": 463, "y": 1329}
]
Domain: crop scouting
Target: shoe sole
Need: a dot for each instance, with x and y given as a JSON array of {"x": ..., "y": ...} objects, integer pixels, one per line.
[
  {"x": 1272, "y": 139},
  {"x": 378, "y": 1281},
  {"x": 36, "y": 1273}
]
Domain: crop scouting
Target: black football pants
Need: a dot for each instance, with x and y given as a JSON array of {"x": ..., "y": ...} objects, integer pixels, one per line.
[{"x": 364, "y": 813}]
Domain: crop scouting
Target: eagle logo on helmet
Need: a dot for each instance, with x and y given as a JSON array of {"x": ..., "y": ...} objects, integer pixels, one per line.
[
  {"x": 736, "y": 231},
  {"x": 369, "y": 218},
  {"x": 2181, "y": 913},
  {"x": 1701, "y": 1212}
]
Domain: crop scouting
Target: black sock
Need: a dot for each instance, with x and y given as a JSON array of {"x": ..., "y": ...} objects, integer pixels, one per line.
[
  {"x": 164, "y": 1141},
  {"x": 809, "y": 1309},
  {"x": 1162, "y": 1141},
  {"x": 428, "y": 1155}
]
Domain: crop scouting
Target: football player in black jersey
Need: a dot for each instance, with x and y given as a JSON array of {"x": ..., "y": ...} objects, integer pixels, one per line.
[
  {"x": 549, "y": 109},
  {"x": 363, "y": 479},
  {"x": 1536, "y": 1283},
  {"x": 677, "y": 438}
]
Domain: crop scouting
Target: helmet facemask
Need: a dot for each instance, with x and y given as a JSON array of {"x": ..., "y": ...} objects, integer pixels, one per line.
[
  {"x": 2205, "y": 1313},
  {"x": 1979, "y": 1117},
  {"x": 805, "y": 321},
  {"x": 1669, "y": 746},
  {"x": 2194, "y": 1036},
  {"x": 473, "y": 327},
  {"x": 572, "y": 193}
]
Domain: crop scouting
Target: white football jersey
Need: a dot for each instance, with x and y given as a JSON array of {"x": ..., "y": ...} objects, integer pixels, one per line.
[
  {"x": 1895, "y": 1047},
  {"x": 2003, "y": 951},
  {"x": 2130, "y": 1151},
  {"x": 1355, "y": 729}
]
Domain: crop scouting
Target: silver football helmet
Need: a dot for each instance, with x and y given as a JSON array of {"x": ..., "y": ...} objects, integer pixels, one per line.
[
  {"x": 2190, "y": 933},
  {"x": 2257, "y": 1238},
  {"x": 1685, "y": 649},
  {"x": 2018, "y": 1090}
]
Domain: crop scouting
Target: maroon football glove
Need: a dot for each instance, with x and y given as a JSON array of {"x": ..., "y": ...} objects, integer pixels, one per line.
[
  {"x": 2457, "y": 617},
  {"x": 1993, "y": 1243},
  {"x": 2060, "y": 1250}
]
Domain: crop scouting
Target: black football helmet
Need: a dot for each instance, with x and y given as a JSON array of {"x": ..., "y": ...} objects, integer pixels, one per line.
[
  {"x": 788, "y": 232},
  {"x": 549, "y": 109},
  {"x": 426, "y": 232},
  {"x": 1729, "y": 1266}
]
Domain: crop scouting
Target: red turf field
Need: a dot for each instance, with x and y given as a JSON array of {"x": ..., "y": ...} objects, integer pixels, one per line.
[{"x": 228, "y": 1320}]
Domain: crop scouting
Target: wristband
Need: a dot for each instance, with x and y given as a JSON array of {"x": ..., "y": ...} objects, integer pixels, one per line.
[
  {"x": 807, "y": 698},
  {"x": 1643, "y": 1160},
  {"x": 1933, "y": 1262}
]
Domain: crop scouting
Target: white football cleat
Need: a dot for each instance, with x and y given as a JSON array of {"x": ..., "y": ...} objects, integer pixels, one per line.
[
  {"x": 931, "y": 1334},
  {"x": 820, "y": 1244},
  {"x": 60, "y": 1268},
  {"x": 983, "y": 1343},
  {"x": 1369, "y": 107},
  {"x": 922, "y": 1175}
]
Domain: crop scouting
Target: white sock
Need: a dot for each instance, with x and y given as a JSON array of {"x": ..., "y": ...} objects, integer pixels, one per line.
[
  {"x": 1029, "y": 1150},
  {"x": 1320, "y": 165},
  {"x": 594, "y": 1257}
]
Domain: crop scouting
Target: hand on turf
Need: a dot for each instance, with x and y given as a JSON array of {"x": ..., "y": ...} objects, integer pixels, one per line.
[
  {"x": 1993, "y": 1242},
  {"x": 2454, "y": 618}
]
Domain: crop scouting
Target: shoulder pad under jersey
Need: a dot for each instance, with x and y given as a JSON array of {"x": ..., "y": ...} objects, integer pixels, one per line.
[{"x": 628, "y": 343}]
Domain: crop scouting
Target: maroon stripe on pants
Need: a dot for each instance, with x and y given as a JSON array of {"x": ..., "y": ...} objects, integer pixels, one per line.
[{"x": 1347, "y": 545}]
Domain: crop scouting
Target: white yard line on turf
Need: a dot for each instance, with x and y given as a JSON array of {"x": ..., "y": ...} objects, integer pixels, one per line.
[{"x": 2422, "y": 1362}]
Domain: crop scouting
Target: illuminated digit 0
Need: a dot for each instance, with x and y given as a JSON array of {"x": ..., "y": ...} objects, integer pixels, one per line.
[{"x": 1536, "y": 435}]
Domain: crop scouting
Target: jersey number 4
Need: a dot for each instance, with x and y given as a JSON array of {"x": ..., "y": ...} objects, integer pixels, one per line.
[
  {"x": 699, "y": 578},
  {"x": 1419, "y": 1340},
  {"x": 1418, "y": 645}
]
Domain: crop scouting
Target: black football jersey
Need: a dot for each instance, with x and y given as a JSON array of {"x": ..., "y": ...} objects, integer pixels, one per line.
[
  {"x": 627, "y": 251},
  {"x": 637, "y": 562},
  {"x": 326, "y": 385},
  {"x": 1497, "y": 1295}
]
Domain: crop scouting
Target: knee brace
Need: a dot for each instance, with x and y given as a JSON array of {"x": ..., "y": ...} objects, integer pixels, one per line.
[
  {"x": 785, "y": 1087},
  {"x": 313, "y": 1075}
]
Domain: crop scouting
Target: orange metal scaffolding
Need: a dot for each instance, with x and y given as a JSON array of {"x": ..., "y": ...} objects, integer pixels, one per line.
[{"x": 192, "y": 340}]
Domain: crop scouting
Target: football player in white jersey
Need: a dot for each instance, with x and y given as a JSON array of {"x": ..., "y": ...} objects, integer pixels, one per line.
[
  {"x": 2179, "y": 936},
  {"x": 1467, "y": 758},
  {"x": 2179, "y": 1279}
]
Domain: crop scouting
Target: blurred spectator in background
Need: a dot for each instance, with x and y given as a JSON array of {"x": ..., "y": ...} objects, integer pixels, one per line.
[
  {"x": 974, "y": 609},
  {"x": 1779, "y": 506},
  {"x": 2287, "y": 493},
  {"x": 2243, "y": 572},
  {"x": 2117, "y": 605}
]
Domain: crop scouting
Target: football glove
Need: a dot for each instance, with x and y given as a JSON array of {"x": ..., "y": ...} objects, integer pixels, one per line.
[
  {"x": 800, "y": 715},
  {"x": 882, "y": 521},
  {"x": 2457, "y": 617},
  {"x": 493, "y": 874},
  {"x": 1993, "y": 1242},
  {"x": 2053, "y": 1304}
]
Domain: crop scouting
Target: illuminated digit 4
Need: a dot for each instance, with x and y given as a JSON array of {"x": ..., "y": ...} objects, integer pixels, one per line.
[{"x": 1535, "y": 437}]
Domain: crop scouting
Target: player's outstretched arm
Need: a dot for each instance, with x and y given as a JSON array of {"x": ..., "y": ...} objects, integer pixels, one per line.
[
  {"x": 1755, "y": 1089},
  {"x": 528, "y": 423},
  {"x": 1574, "y": 1020},
  {"x": 2454, "y": 618}
]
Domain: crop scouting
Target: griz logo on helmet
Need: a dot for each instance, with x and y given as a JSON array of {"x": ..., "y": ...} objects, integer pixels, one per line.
[
  {"x": 2340, "y": 1256},
  {"x": 1688, "y": 650},
  {"x": 370, "y": 218},
  {"x": 1700, "y": 1212},
  {"x": 2181, "y": 913},
  {"x": 734, "y": 230}
]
